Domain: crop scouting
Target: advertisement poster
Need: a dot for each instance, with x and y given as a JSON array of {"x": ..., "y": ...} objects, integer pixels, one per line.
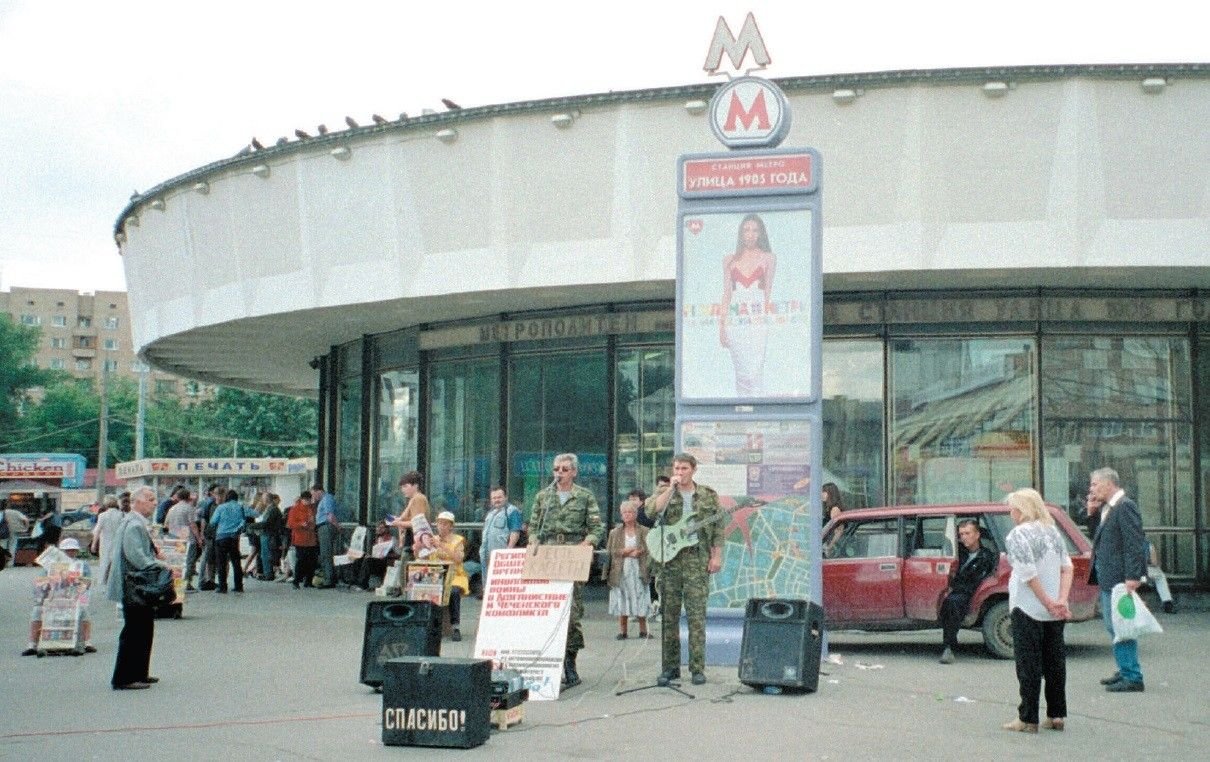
[
  {"x": 761, "y": 470},
  {"x": 523, "y": 624},
  {"x": 746, "y": 305}
]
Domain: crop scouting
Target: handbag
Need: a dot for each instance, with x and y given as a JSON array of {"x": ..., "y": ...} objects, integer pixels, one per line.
[{"x": 150, "y": 586}]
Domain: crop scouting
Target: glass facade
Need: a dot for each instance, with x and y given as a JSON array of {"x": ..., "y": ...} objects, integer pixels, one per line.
[
  {"x": 1123, "y": 402},
  {"x": 558, "y": 402},
  {"x": 925, "y": 400},
  {"x": 396, "y": 438},
  {"x": 463, "y": 435},
  {"x": 853, "y": 382},
  {"x": 348, "y": 442},
  {"x": 962, "y": 416},
  {"x": 644, "y": 417}
]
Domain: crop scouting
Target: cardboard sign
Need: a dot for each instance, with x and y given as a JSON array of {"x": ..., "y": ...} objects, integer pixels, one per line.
[
  {"x": 523, "y": 623},
  {"x": 571, "y": 563}
]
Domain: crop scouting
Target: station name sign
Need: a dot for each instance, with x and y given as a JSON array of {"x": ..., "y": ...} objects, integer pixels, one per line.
[
  {"x": 549, "y": 328},
  {"x": 748, "y": 174}
]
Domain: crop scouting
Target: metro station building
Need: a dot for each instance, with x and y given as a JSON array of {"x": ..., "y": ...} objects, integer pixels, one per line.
[{"x": 1016, "y": 288}]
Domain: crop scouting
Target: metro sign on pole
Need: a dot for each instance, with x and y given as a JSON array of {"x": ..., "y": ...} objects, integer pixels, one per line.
[{"x": 748, "y": 334}]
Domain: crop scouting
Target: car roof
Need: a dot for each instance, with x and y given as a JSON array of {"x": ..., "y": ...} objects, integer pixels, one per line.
[{"x": 914, "y": 510}]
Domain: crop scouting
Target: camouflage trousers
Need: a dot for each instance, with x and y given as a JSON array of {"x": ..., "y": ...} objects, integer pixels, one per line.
[
  {"x": 575, "y": 633},
  {"x": 685, "y": 580}
]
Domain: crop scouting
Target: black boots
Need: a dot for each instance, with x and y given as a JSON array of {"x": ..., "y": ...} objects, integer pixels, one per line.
[{"x": 571, "y": 678}]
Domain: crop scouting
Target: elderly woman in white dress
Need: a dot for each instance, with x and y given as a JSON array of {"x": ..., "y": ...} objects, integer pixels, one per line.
[
  {"x": 629, "y": 575},
  {"x": 102, "y": 537}
]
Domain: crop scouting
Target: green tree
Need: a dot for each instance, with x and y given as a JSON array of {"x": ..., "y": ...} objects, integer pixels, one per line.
[
  {"x": 261, "y": 422},
  {"x": 18, "y": 374},
  {"x": 65, "y": 420}
]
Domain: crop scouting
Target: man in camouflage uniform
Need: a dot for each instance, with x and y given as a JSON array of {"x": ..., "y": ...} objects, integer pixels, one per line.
[
  {"x": 567, "y": 514},
  {"x": 686, "y": 576}
]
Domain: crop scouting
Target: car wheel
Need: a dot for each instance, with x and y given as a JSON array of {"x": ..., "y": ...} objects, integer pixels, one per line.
[{"x": 998, "y": 631}]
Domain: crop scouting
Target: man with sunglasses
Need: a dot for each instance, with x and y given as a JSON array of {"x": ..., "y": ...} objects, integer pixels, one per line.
[{"x": 565, "y": 513}]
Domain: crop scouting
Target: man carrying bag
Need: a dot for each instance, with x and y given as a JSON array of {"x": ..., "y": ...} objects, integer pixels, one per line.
[{"x": 133, "y": 555}]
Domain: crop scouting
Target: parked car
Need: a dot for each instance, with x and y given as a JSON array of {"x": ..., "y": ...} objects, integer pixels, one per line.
[{"x": 887, "y": 569}]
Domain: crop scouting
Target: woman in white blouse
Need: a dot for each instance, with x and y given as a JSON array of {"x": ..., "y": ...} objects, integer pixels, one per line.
[{"x": 1037, "y": 597}]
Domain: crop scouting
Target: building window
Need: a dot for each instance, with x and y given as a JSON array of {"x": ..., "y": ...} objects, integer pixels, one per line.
[
  {"x": 111, "y": 322},
  {"x": 192, "y": 388},
  {"x": 59, "y": 321},
  {"x": 464, "y": 435},
  {"x": 111, "y": 365},
  {"x": 31, "y": 319},
  {"x": 56, "y": 363},
  {"x": 84, "y": 342},
  {"x": 58, "y": 342},
  {"x": 644, "y": 418},
  {"x": 84, "y": 322},
  {"x": 348, "y": 443},
  {"x": 110, "y": 344},
  {"x": 396, "y": 432},
  {"x": 852, "y": 420},
  {"x": 557, "y": 403},
  {"x": 165, "y": 386},
  {"x": 83, "y": 364},
  {"x": 961, "y": 419},
  {"x": 1125, "y": 403}
]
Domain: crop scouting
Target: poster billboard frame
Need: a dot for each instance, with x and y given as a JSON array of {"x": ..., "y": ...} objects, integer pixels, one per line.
[{"x": 805, "y": 203}]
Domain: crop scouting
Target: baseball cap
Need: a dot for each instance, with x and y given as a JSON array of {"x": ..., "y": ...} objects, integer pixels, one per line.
[
  {"x": 446, "y": 515},
  {"x": 69, "y": 543}
]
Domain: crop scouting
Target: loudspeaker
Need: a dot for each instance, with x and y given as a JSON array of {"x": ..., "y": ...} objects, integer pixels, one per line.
[
  {"x": 398, "y": 628},
  {"x": 782, "y": 643},
  {"x": 431, "y": 701}
]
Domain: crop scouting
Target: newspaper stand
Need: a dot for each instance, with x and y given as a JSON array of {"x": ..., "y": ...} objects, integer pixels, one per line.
[
  {"x": 430, "y": 581},
  {"x": 171, "y": 552},
  {"x": 60, "y": 632},
  {"x": 63, "y": 592}
]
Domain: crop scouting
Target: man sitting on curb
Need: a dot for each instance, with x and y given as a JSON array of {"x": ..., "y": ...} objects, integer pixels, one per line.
[{"x": 975, "y": 563}]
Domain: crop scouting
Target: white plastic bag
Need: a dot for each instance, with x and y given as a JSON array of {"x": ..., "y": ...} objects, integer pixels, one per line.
[{"x": 1131, "y": 617}]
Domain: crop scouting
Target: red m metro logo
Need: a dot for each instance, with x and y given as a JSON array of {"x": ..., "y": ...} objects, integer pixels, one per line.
[
  {"x": 749, "y": 111},
  {"x": 758, "y": 112}
]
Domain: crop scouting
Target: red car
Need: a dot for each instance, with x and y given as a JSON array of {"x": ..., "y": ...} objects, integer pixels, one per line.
[{"x": 888, "y": 569}]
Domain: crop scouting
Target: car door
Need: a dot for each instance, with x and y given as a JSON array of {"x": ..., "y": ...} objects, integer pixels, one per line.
[
  {"x": 929, "y": 566},
  {"x": 862, "y": 574}
]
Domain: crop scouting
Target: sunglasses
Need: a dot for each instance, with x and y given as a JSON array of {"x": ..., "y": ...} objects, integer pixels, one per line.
[{"x": 562, "y": 468}]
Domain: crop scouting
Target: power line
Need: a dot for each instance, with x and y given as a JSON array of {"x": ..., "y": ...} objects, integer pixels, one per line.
[
  {"x": 216, "y": 438},
  {"x": 9, "y": 445}
]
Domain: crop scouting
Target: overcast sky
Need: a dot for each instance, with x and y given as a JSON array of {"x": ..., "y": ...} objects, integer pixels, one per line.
[{"x": 98, "y": 99}]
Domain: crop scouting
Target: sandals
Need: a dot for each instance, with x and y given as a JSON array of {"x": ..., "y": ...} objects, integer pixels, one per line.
[{"x": 1016, "y": 726}]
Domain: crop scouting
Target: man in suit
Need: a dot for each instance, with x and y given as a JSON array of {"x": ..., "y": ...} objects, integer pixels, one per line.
[
  {"x": 975, "y": 564},
  {"x": 1118, "y": 556},
  {"x": 133, "y": 550}
]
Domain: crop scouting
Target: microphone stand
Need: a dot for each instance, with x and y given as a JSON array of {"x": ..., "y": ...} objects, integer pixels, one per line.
[{"x": 670, "y": 685}]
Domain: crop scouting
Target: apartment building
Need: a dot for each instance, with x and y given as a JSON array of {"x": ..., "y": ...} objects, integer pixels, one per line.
[{"x": 87, "y": 335}]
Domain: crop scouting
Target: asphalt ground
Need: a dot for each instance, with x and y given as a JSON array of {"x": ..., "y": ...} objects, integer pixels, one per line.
[{"x": 272, "y": 674}]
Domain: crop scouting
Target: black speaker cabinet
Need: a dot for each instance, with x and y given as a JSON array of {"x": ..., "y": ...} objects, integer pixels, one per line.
[
  {"x": 434, "y": 701},
  {"x": 782, "y": 643},
  {"x": 397, "y": 628}
]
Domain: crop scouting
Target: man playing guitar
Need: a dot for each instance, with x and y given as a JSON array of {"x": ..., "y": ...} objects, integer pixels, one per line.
[{"x": 685, "y": 576}]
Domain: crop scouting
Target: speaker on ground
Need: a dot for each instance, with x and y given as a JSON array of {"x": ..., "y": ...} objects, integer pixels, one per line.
[
  {"x": 782, "y": 643},
  {"x": 398, "y": 628}
]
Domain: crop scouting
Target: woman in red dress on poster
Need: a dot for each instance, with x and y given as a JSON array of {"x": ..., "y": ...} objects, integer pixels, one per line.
[{"x": 743, "y": 326}]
